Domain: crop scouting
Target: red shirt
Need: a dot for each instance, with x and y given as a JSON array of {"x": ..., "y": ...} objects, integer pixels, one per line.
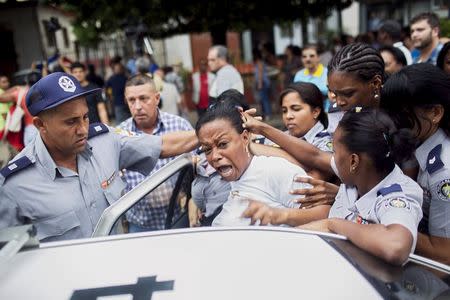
[{"x": 204, "y": 97}]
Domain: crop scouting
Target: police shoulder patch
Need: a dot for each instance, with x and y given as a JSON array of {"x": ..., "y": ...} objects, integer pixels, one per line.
[
  {"x": 16, "y": 166},
  {"x": 389, "y": 189},
  {"x": 434, "y": 162},
  {"x": 124, "y": 132},
  {"x": 97, "y": 129},
  {"x": 323, "y": 134},
  {"x": 443, "y": 190},
  {"x": 398, "y": 203}
]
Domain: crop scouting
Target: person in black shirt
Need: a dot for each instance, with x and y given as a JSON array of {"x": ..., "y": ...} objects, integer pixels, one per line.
[
  {"x": 115, "y": 88},
  {"x": 96, "y": 105}
]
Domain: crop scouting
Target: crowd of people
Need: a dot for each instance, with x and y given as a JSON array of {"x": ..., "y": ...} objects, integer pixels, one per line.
[{"x": 365, "y": 152}]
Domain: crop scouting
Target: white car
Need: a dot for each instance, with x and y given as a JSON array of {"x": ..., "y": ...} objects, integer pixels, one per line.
[{"x": 208, "y": 263}]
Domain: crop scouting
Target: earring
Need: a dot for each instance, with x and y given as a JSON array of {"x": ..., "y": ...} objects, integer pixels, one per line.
[
  {"x": 247, "y": 150},
  {"x": 352, "y": 170},
  {"x": 376, "y": 96}
]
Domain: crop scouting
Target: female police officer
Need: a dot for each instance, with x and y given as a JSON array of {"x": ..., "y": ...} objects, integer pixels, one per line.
[
  {"x": 418, "y": 97},
  {"x": 377, "y": 207},
  {"x": 65, "y": 178}
]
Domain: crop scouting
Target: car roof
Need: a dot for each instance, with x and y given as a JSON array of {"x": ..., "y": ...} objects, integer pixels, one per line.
[
  {"x": 239, "y": 263},
  {"x": 215, "y": 263}
]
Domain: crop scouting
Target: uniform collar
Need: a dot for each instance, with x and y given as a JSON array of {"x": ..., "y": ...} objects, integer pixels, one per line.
[
  {"x": 159, "y": 124},
  {"x": 317, "y": 73},
  {"x": 47, "y": 161},
  {"x": 422, "y": 152},
  {"x": 204, "y": 168},
  {"x": 44, "y": 157},
  {"x": 365, "y": 203},
  {"x": 311, "y": 134}
]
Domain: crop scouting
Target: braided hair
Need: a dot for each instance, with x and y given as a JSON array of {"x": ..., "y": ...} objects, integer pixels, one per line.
[{"x": 360, "y": 59}]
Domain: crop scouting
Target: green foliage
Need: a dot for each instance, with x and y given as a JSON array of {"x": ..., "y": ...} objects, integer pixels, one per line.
[
  {"x": 168, "y": 17},
  {"x": 445, "y": 27}
]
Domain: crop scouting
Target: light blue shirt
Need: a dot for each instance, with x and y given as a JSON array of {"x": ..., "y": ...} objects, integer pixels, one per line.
[
  {"x": 64, "y": 204},
  {"x": 318, "y": 78},
  {"x": 432, "y": 59},
  {"x": 397, "y": 199},
  {"x": 433, "y": 157}
]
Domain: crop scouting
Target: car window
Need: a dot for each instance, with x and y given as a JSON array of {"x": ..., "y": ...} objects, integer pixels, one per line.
[{"x": 411, "y": 281}]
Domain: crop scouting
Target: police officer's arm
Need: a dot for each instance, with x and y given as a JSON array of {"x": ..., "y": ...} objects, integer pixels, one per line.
[
  {"x": 307, "y": 154},
  {"x": 259, "y": 149},
  {"x": 176, "y": 143},
  {"x": 278, "y": 216},
  {"x": 321, "y": 193},
  {"x": 434, "y": 247},
  {"x": 8, "y": 211},
  {"x": 392, "y": 243}
]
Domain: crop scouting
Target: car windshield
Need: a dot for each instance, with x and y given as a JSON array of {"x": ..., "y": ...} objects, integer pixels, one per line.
[{"x": 410, "y": 281}]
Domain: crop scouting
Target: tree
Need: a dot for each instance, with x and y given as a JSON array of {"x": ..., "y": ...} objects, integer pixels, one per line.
[{"x": 167, "y": 17}]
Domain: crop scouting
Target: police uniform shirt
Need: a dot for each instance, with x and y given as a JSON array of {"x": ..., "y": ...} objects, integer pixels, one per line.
[
  {"x": 61, "y": 203},
  {"x": 434, "y": 178},
  {"x": 316, "y": 136},
  {"x": 209, "y": 190},
  {"x": 397, "y": 199},
  {"x": 319, "y": 137},
  {"x": 335, "y": 115}
]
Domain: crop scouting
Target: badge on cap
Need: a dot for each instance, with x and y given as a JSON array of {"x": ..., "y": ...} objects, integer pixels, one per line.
[{"x": 66, "y": 84}]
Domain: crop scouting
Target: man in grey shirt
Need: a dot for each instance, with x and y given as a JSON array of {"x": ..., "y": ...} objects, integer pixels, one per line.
[{"x": 227, "y": 77}]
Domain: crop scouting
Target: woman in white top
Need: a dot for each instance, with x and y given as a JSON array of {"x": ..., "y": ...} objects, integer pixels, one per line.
[
  {"x": 226, "y": 146},
  {"x": 377, "y": 207}
]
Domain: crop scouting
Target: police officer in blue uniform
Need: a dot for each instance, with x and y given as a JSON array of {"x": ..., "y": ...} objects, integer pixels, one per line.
[
  {"x": 378, "y": 208},
  {"x": 65, "y": 178},
  {"x": 418, "y": 97}
]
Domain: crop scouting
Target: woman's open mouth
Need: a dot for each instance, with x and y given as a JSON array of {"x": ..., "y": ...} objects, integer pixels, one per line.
[{"x": 225, "y": 171}]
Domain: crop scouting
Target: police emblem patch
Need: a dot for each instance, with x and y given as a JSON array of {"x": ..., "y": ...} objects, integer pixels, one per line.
[
  {"x": 444, "y": 189},
  {"x": 66, "y": 84},
  {"x": 330, "y": 145},
  {"x": 124, "y": 132},
  {"x": 398, "y": 203}
]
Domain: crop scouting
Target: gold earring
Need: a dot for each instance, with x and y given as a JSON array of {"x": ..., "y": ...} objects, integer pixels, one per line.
[{"x": 247, "y": 150}]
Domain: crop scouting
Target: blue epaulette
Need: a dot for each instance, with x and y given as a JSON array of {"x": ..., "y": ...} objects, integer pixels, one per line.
[
  {"x": 323, "y": 134},
  {"x": 15, "y": 166},
  {"x": 434, "y": 162},
  {"x": 259, "y": 140},
  {"x": 334, "y": 108},
  {"x": 97, "y": 129},
  {"x": 389, "y": 189}
]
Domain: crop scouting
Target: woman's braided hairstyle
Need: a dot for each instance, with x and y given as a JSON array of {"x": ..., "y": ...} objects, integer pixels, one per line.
[{"x": 360, "y": 59}]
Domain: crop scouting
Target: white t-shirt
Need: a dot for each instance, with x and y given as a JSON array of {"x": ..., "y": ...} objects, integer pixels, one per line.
[
  {"x": 170, "y": 98},
  {"x": 268, "y": 180}
]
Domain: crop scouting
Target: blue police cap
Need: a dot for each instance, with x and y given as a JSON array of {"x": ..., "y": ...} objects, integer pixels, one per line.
[{"x": 53, "y": 90}]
